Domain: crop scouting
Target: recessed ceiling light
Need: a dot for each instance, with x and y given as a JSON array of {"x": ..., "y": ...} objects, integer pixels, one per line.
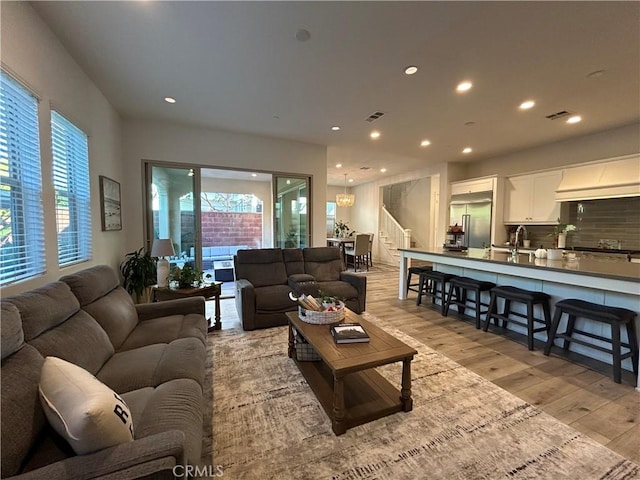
[
  {"x": 375, "y": 134},
  {"x": 425, "y": 143},
  {"x": 302, "y": 35},
  {"x": 467, "y": 150},
  {"x": 351, "y": 180},
  {"x": 169, "y": 99},
  {"x": 335, "y": 128},
  {"x": 574, "y": 119},
  {"x": 526, "y": 105},
  {"x": 254, "y": 174},
  {"x": 464, "y": 86},
  {"x": 411, "y": 69},
  {"x": 382, "y": 170},
  {"x": 338, "y": 165}
]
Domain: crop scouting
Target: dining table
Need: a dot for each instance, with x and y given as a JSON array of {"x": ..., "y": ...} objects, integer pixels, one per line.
[{"x": 342, "y": 243}]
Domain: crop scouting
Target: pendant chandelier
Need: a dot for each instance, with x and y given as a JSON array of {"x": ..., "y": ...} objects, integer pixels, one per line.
[{"x": 345, "y": 199}]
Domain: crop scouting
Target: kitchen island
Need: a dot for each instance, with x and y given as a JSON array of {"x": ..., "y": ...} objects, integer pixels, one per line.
[{"x": 603, "y": 279}]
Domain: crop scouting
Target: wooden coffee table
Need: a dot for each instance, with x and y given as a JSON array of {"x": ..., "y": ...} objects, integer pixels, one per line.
[{"x": 345, "y": 382}]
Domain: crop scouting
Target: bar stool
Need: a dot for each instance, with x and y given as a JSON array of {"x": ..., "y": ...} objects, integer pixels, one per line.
[
  {"x": 458, "y": 291},
  {"x": 415, "y": 271},
  {"x": 519, "y": 295},
  {"x": 614, "y": 316},
  {"x": 429, "y": 281}
]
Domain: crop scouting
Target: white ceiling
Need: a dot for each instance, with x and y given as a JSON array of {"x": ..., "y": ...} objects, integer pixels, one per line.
[{"x": 238, "y": 66}]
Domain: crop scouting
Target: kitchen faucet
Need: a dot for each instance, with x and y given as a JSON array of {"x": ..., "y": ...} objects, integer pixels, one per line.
[{"x": 518, "y": 230}]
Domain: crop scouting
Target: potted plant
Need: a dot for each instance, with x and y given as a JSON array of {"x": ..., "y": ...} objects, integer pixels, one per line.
[
  {"x": 342, "y": 229},
  {"x": 139, "y": 273},
  {"x": 188, "y": 276},
  {"x": 559, "y": 233}
]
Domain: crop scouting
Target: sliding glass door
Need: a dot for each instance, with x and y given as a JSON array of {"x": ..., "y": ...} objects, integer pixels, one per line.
[
  {"x": 174, "y": 209},
  {"x": 292, "y": 223},
  {"x": 174, "y": 213}
]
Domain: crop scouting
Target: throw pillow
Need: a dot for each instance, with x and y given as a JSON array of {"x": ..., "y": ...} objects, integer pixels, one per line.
[{"x": 83, "y": 410}]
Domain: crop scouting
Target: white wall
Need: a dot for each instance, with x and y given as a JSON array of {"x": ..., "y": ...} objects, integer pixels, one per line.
[
  {"x": 34, "y": 56},
  {"x": 597, "y": 146},
  {"x": 170, "y": 142},
  {"x": 409, "y": 203}
]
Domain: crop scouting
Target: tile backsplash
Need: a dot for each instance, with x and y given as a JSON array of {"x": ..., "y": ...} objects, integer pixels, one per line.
[
  {"x": 606, "y": 221},
  {"x": 615, "y": 222}
]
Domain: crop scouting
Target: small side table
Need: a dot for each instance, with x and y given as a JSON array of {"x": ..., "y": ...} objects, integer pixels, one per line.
[{"x": 209, "y": 291}]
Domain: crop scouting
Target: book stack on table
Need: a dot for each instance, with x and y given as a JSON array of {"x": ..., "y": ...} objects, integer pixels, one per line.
[{"x": 349, "y": 333}]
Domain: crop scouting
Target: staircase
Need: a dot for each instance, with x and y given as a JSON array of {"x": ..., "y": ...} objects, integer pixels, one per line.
[{"x": 392, "y": 236}]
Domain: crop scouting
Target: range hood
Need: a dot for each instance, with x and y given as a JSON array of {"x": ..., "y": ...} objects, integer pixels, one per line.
[{"x": 615, "y": 178}]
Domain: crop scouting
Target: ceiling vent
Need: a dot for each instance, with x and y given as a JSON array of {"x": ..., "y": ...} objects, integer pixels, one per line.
[
  {"x": 557, "y": 115},
  {"x": 373, "y": 117}
]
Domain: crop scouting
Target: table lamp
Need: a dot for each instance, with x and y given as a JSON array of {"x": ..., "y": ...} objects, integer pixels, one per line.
[{"x": 162, "y": 247}]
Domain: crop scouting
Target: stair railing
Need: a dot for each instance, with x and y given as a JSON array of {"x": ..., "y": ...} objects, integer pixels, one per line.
[{"x": 396, "y": 235}]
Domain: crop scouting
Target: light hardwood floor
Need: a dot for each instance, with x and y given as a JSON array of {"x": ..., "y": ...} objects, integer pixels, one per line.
[{"x": 587, "y": 400}]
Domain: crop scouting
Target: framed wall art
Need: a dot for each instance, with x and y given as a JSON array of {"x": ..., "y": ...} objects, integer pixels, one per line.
[{"x": 110, "y": 204}]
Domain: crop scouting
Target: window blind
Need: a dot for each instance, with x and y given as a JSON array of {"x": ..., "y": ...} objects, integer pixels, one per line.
[
  {"x": 22, "y": 248},
  {"x": 69, "y": 147}
]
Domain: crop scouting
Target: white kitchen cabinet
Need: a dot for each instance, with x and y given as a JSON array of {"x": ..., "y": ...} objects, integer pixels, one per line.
[
  {"x": 472, "y": 186},
  {"x": 531, "y": 199}
]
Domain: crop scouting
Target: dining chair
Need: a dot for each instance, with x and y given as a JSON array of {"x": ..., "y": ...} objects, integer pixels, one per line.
[
  {"x": 370, "y": 254},
  {"x": 358, "y": 253}
]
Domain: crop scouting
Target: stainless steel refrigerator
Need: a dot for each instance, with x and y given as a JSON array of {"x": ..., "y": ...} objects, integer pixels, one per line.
[{"x": 472, "y": 211}]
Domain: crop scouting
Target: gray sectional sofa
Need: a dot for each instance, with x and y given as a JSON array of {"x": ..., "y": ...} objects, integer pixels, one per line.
[
  {"x": 152, "y": 355},
  {"x": 265, "y": 277}
]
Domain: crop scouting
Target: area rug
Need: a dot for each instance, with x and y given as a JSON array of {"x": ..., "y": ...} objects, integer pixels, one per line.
[{"x": 267, "y": 424}]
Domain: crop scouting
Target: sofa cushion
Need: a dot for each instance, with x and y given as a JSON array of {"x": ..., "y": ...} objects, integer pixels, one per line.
[
  {"x": 12, "y": 334},
  {"x": 54, "y": 324},
  {"x": 324, "y": 263},
  {"x": 303, "y": 284},
  {"x": 172, "y": 405},
  {"x": 79, "y": 340},
  {"x": 261, "y": 267},
  {"x": 151, "y": 365},
  {"x": 294, "y": 260},
  {"x": 99, "y": 293},
  {"x": 23, "y": 418},
  {"x": 165, "y": 330},
  {"x": 116, "y": 314},
  {"x": 274, "y": 298},
  {"x": 91, "y": 284},
  {"x": 45, "y": 307},
  {"x": 338, "y": 288},
  {"x": 87, "y": 413}
]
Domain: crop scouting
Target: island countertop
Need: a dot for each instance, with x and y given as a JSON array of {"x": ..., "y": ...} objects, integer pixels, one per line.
[
  {"x": 611, "y": 273},
  {"x": 610, "y": 267}
]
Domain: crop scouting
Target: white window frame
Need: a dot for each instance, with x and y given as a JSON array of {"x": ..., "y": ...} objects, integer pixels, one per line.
[
  {"x": 22, "y": 239},
  {"x": 70, "y": 152}
]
